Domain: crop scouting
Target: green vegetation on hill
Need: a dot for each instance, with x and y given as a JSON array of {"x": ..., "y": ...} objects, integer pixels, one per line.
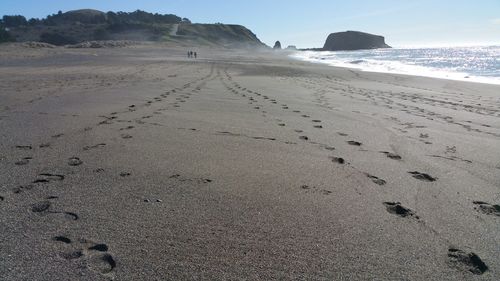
[
  {"x": 86, "y": 25},
  {"x": 229, "y": 35},
  {"x": 5, "y": 36}
]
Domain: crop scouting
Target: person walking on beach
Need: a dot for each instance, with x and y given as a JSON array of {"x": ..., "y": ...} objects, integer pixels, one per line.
[
  {"x": 195, "y": 55},
  {"x": 189, "y": 54}
]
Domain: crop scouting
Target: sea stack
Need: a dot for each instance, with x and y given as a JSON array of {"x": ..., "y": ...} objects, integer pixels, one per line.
[
  {"x": 354, "y": 40},
  {"x": 277, "y": 45}
]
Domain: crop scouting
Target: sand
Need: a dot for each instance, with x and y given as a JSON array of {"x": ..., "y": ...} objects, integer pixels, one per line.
[{"x": 138, "y": 163}]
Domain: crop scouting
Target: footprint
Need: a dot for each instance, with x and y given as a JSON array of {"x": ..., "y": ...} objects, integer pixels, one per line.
[
  {"x": 306, "y": 116},
  {"x": 44, "y": 207},
  {"x": 376, "y": 180},
  {"x": 391, "y": 155},
  {"x": 62, "y": 239},
  {"x": 20, "y": 189},
  {"x": 40, "y": 207},
  {"x": 202, "y": 180},
  {"x": 466, "y": 261},
  {"x": 72, "y": 255},
  {"x": 316, "y": 121},
  {"x": 198, "y": 180},
  {"x": 69, "y": 215},
  {"x": 304, "y": 138},
  {"x": 105, "y": 122},
  {"x": 24, "y": 147},
  {"x": 75, "y": 161},
  {"x": 99, "y": 247},
  {"x": 124, "y": 174},
  {"x": 422, "y": 176},
  {"x": 313, "y": 189},
  {"x": 282, "y": 124},
  {"x": 342, "y": 134},
  {"x": 318, "y": 126},
  {"x": 47, "y": 177},
  {"x": 355, "y": 143},
  {"x": 127, "y": 128},
  {"x": 148, "y": 201},
  {"x": 41, "y": 180},
  {"x": 44, "y": 145},
  {"x": 339, "y": 160},
  {"x": 228, "y": 133},
  {"x": 126, "y": 136},
  {"x": 451, "y": 149},
  {"x": 101, "y": 262},
  {"x": 487, "y": 208},
  {"x": 23, "y": 161},
  {"x": 57, "y": 136},
  {"x": 94, "y": 146},
  {"x": 396, "y": 209}
]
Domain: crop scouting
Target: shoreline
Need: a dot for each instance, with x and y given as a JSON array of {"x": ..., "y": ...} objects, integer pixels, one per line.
[{"x": 467, "y": 77}]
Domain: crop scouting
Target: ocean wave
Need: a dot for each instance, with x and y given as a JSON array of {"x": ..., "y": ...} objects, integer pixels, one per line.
[
  {"x": 465, "y": 64},
  {"x": 357, "y": 61}
]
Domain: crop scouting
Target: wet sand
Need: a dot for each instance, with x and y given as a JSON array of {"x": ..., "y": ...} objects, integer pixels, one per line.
[{"x": 141, "y": 164}]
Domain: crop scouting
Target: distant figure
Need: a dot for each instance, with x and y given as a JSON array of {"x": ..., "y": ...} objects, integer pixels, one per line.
[
  {"x": 189, "y": 54},
  {"x": 195, "y": 55}
]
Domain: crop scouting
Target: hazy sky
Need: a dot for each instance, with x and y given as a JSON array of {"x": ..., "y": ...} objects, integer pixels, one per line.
[{"x": 307, "y": 23}]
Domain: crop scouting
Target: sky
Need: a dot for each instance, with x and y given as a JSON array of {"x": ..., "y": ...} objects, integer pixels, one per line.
[{"x": 306, "y": 24}]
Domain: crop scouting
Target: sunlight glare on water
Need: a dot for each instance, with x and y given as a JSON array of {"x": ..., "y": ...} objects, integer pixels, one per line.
[{"x": 477, "y": 64}]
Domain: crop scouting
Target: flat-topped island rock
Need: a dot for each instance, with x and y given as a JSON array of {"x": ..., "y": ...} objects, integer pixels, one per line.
[{"x": 353, "y": 40}]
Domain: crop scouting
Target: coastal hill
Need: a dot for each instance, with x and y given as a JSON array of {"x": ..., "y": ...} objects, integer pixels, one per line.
[
  {"x": 353, "y": 40},
  {"x": 79, "y": 26}
]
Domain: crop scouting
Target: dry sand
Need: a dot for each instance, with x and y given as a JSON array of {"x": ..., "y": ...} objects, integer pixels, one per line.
[{"x": 140, "y": 164}]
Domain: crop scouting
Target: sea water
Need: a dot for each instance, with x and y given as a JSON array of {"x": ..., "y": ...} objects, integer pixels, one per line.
[{"x": 475, "y": 64}]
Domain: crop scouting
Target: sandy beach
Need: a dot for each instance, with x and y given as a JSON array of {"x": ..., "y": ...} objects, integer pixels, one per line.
[{"x": 138, "y": 163}]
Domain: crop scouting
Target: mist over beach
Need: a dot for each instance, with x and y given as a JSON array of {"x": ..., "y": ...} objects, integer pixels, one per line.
[{"x": 249, "y": 140}]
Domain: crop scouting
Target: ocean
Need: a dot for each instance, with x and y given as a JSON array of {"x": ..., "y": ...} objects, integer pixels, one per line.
[{"x": 475, "y": 64}]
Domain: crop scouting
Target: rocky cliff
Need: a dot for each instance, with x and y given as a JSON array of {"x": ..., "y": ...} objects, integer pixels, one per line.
[{"x": 353, "y": 40}]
